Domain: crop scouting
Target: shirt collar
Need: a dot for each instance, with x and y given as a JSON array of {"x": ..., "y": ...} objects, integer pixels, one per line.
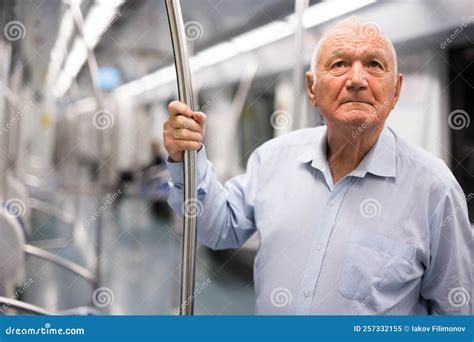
[{"x": 379, "y": 161}]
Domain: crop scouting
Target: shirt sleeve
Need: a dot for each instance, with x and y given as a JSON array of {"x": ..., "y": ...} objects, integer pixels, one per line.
[
  {"x": 447, "y": 282},
  {"x": 225, "y": 212}
]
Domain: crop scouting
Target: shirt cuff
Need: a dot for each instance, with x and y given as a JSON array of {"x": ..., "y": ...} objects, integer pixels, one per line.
[{"x": 177, "y": 171}]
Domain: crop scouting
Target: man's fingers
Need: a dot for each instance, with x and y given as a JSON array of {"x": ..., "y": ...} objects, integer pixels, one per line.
[
  {"x": 200, "y": 118},
  {"x": 184, "y": 130},
  {"x": 185, "y": 134},
  {"x": 181, "y": 116},
  {"x": 179, "y": 108},
  {"x": 180, "y": 122}
]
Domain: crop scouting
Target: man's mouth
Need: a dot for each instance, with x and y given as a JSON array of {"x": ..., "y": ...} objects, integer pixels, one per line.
[{"x": 356, "y": 101}]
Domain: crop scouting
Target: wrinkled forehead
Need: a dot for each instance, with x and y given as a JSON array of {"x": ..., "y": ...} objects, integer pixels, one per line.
[{"x": 356, "y": 40}]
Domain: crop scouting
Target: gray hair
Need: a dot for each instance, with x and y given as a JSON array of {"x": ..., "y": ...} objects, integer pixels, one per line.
[{"x": 351, "y": 22}]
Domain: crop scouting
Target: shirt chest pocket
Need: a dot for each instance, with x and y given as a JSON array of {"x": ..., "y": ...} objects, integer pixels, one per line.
[{"x": 374, "y": 265}]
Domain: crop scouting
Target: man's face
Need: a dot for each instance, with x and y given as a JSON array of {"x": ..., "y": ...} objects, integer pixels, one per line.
[{"x": 356, "y": 82}]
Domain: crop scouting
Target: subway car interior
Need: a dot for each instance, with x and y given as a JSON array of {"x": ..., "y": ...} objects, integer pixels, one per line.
[{"x": 85, "y": 228}]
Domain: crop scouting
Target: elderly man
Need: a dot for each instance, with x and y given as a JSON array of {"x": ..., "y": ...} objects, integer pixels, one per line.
[{"x": 352, "y": 219}]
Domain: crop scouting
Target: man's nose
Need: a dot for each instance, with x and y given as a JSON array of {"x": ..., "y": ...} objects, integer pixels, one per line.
[{"x": 356, "y": 78}]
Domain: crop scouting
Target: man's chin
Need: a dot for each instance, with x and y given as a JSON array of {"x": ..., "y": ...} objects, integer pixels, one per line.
[{"x": 356, "y": 118}]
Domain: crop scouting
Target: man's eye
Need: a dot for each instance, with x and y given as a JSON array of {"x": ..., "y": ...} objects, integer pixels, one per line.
[
  {"x": 375, "y": 64},
  {"x": 337, "y": 65}
]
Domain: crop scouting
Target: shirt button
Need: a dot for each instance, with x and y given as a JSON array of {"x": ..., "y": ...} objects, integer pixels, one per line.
[
  {"x": 307, "y": 293},
  {"x": 319, "y": 247},
  {"x": 331, "y": 203}
]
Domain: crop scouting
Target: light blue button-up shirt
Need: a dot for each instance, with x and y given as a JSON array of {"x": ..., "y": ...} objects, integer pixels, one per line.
[{"x": 391, "y": 237}]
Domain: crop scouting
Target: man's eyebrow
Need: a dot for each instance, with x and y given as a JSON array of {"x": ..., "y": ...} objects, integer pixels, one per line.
[
  {"x": 335, "y": 54},
  {"x": 373, "y": 54}
]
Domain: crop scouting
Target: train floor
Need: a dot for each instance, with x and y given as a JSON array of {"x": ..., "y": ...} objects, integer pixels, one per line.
[{"x": 139, "y": 262}]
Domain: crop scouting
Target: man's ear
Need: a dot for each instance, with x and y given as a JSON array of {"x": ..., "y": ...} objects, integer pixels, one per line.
[
  {"x": 398, "y": 89},
  {"x": 309, "y": 88}
]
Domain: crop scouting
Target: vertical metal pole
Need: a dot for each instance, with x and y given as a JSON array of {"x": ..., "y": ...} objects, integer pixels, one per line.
[
  {"x": 298, "y": 115},
  {"x": 5, "y": 60},
  {"x": 16, "y": 133},
  {"x": 13, "y": 104},
  {"x": 178, "y": 38},
  {"x": 98, "y": 96}
]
